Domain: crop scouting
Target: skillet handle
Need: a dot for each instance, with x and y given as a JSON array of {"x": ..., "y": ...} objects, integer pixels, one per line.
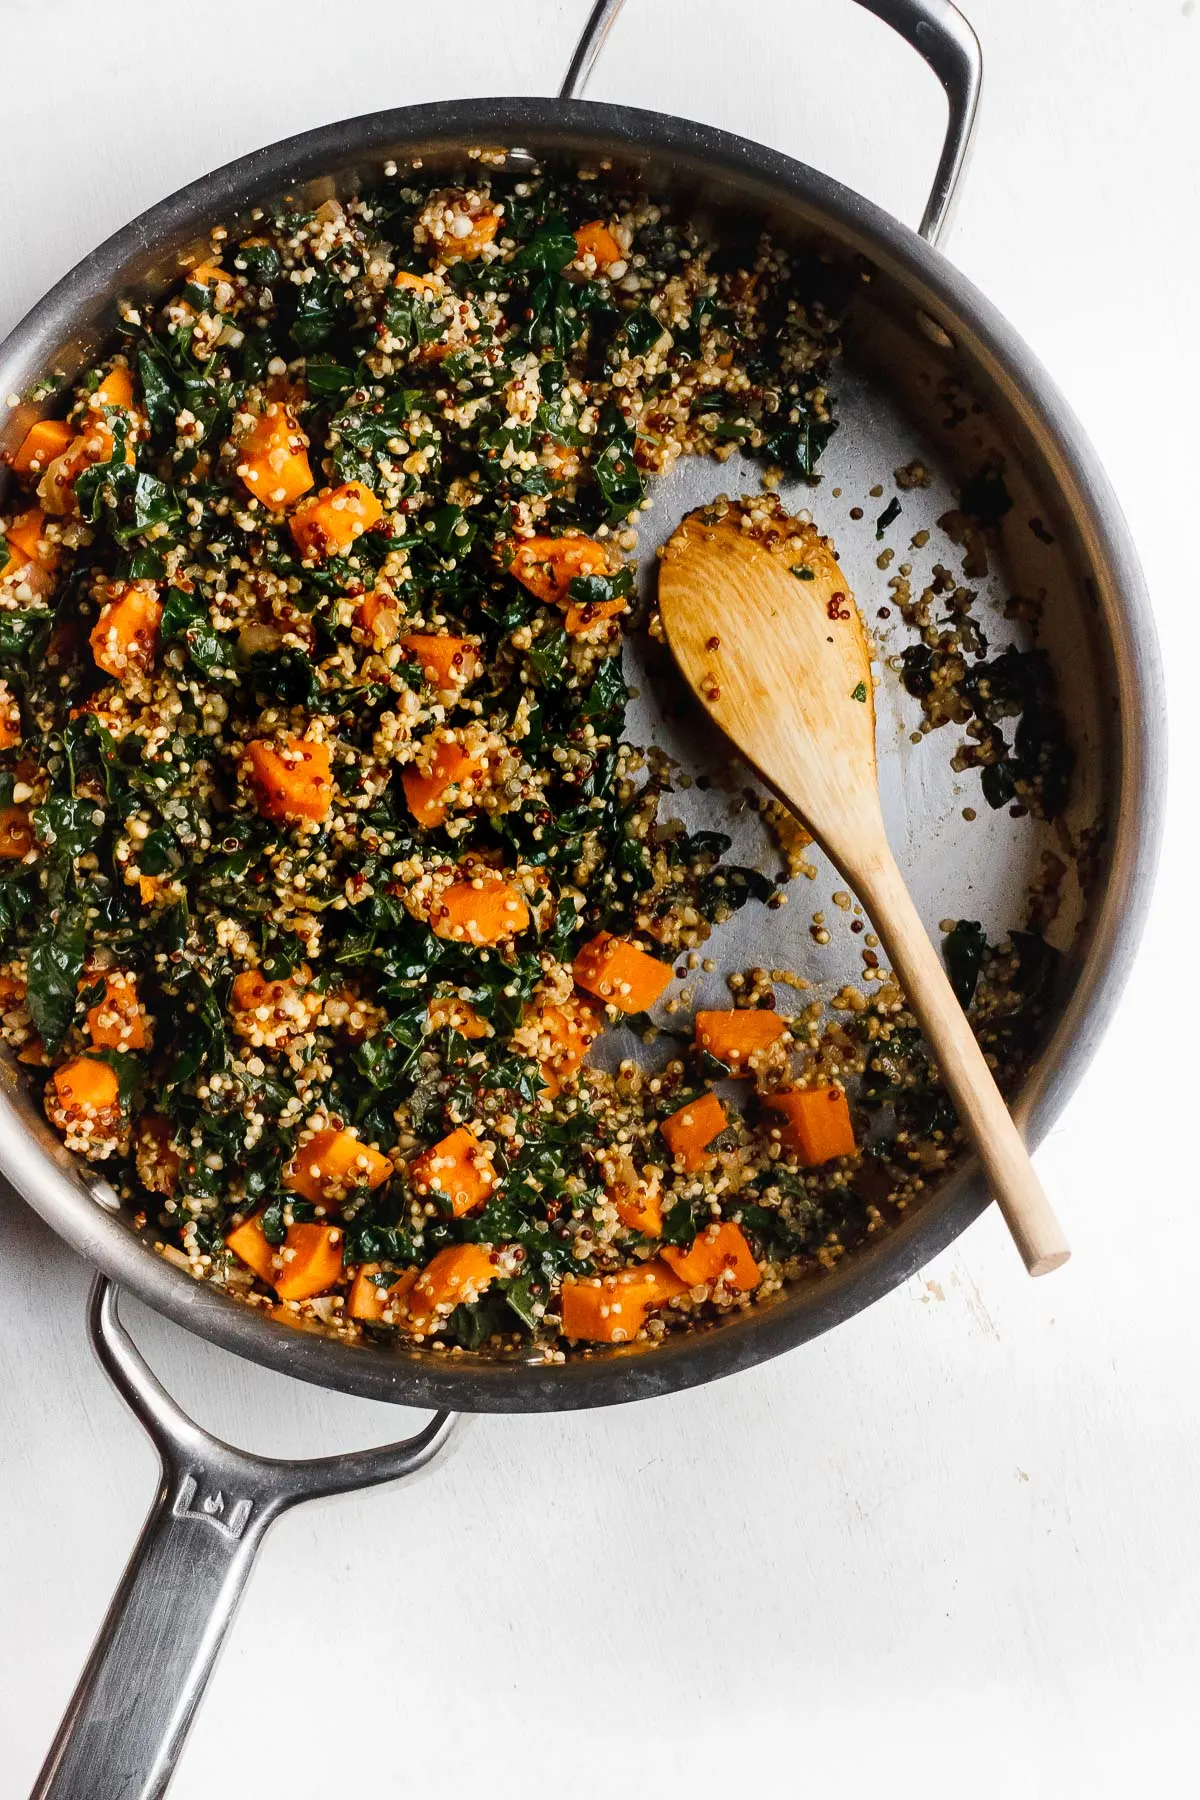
[
  {"x": 127, "y": 1721},
  {"x": 939, "y": 34}
]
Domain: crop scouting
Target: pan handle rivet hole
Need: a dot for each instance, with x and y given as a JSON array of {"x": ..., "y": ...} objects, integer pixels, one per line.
[{"x": 937, "y": 334}]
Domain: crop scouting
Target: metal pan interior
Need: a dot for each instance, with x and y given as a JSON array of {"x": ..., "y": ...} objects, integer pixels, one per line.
[{"x": 914, "y": 327}]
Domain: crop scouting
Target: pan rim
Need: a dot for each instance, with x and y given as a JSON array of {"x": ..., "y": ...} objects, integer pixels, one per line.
[{"x": 613, "y": 1377}]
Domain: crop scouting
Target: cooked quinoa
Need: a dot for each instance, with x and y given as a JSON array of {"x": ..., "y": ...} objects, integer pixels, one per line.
[{"x": 324, "y": 865}]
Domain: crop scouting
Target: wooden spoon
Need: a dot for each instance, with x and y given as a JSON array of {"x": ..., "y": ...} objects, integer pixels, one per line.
[{"x": 765, "y": 629}]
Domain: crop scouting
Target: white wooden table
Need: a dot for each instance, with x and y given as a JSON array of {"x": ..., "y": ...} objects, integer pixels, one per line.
[{"x": 950, "y": 1548}]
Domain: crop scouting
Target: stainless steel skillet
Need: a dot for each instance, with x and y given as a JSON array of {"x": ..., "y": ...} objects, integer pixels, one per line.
[{"x": 922, "y": 345}]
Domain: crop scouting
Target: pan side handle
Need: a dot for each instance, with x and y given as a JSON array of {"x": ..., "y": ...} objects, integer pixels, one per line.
[
  {"x": 127, "y": 1721},
  {"x": 939, "y": 34}
]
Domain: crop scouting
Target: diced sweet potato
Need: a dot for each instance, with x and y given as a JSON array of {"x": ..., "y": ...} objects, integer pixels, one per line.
[
  {"x": 582, "y": 617},
  {"x": 333, "y": 1164},
  {"x": 16, "y": 833},
  {"x": 269, "y": 1013},
  {"x": 420, "y": 284},
  {"x": 428, "y": 793},
  {"x": 94, "y": 443},
  {"x": 484, "y": 910},
  {"x": 692, "y": 1129},
  {"x": 378, "y": 616},
  {"x": 447, "y": 663},
  {"x": 457, "y": 1169},
  {"x": 620, "y": 974},
  {"x": 248, "y": 1242},
  {"x": 719, "y": 1252},
  {"x": 328, "y": 524},
  {"x": 118, "y": 1021},
  {"x": 293, "y": 780},
  {"x": 125, "y": 640},
  {"x": 310, "y": 1261},
  {"x": 82, "y": 1101},
  {"x": 561, "y": 1038},
  {"x": 470, "y": 246},
  {"x": 27, "y": 541},
  {"x": 87, "y": 1084},
  {"x": 273, "y": 458},
  {"x": 595, "y": 240},
  {"x": 448, "y": 1013},
  {"x": 40, "y": 445},
  {"x": 115, "y": 390},
  {"x": 207, "y": 274},
  {"x": 612, "y": 1309},
  {"x": 817, "y": 1123},
  {"x": 368, "y": 1302},
  {"x": 456, "y": 1277},
  {"x": 548, "y": 565},
  {"x": 738, "y": 1038},
  {"x": 638, "y": 1202},
  {"x": 365, "y": 1300}
]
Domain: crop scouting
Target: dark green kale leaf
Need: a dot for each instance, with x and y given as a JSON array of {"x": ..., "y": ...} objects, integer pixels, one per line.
[
  {"x": 963, "y": 950},
  {"x": 186, "y": 617},
  {"x": 797, "y": 445},
  {"x": 615, "y": 469},
  {"x": 320, "y": 307},
  {"x": 549, "y": 250},
  {"x": 55, "y": 965}
]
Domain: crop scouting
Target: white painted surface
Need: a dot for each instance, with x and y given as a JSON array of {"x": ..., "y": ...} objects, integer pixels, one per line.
[{"x": 950, "y": 1549}]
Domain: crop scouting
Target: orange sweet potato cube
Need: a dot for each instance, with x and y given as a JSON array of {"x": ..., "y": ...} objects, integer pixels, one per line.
[
  {"x": 563, "y": 1035},
  {"x": 738, "y": 1038},
  {"x": 640, "y": 1206},
  {"x": 40, "y": 445},
  {"x": 448, "y": 1012},
  {"x": 332, "y": 1164},
  {"x": 692, "y": 1129},
  {"x": 292, "y": 781},
  {"x": 484, "y": 226},
  {"x": 548, "y": 565},
  {"x": 612, "y": 1309},
  {"x": 27, "y": 542},
  {"x": 817, "y": 1123},
  {"x": 456, "y": 1277},
  {"x": 248, "y": 1242},
  {"x": 117, "y": 1022},
  {"x": 368, "y": 1302},
  {"x": 484, "y": 910},
  {"x": 595, "y": 240},
  {"x": 447, "y": 663},
  {"x": 451, "y": 767},
  {"x": 717, "y": 1251},
  {"x": 457, "y": 1169},
  {"x": 329, "y": 523},
  {"x": 115, "y": 390},
  {"x": 621, "y": 974},
  {"x": 582, "y": 616},
  {"x": 273, "y": 459},
  {"x": 310, "y": 1261},
  {"x": 124, "y": 640}
]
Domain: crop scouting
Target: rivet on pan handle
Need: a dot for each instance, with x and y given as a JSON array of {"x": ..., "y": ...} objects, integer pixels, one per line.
[
  {"x": 127, "y": 1721},
  {"x": 936, "y": 30}
]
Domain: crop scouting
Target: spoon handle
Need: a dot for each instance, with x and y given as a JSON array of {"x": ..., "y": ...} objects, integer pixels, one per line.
[{"x": 963, "y": 1067}]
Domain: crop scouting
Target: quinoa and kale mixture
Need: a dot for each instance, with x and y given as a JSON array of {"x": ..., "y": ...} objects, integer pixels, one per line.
[{"x": 323, "y": 863}]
